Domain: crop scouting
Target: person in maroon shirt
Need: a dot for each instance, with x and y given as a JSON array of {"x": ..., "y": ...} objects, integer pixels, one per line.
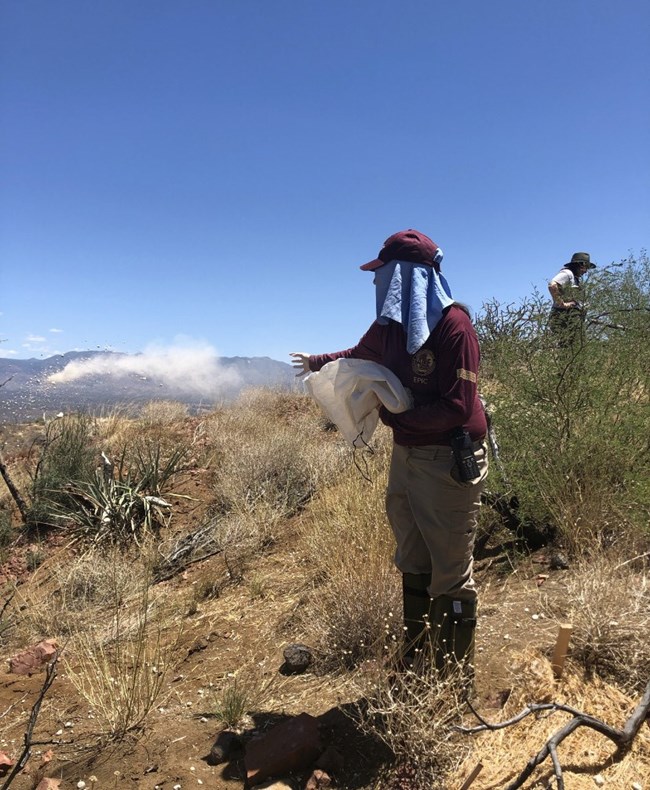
[{"x": 439, "y": 460}]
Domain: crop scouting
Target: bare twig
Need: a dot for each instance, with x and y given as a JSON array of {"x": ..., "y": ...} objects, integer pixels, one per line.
[
  {"x": 27, "y": 748},
  {"x": 6, "y": 604},
  {"x": 633, "y": 559},
  {"x": 13, "y": 705},
  {"x": 621, "y": 738},
  {"x": 8, "y": 624}
]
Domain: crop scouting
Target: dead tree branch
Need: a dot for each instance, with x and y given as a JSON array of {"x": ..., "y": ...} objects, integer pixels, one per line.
[
  {"x": 15, "y": 493},
  {"x": 195, "y": 547},
  {"x": 622, "y": 738},
  {"x": 6, "y": 625},
  {"x": 27, "y": 748}
]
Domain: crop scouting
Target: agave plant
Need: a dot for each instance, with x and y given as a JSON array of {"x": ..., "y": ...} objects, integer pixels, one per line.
[
  {"x": 116, "y": 511},
  {"x": 120, "y": 504}
]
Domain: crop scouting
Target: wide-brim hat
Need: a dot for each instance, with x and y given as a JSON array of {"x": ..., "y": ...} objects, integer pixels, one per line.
[
  {"x": 583, "y": 259},
  {"x": 406, "y": 245}
]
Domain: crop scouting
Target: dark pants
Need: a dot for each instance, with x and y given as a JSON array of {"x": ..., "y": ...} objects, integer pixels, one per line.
[{"x": 566, "y": 323}]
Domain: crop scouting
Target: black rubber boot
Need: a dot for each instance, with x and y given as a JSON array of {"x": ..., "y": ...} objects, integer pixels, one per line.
[
  {"x": 416, "y": 612},
  {"x": 463, "y": 630},
  {"x": 452, "y": 625}
]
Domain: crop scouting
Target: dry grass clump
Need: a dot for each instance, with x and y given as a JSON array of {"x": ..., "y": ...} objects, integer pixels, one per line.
[
  {"x": 161, "y": 425},
  {"x": 163, "y": 413},
  {"x": 608, "y": 603},
  {"x": 94, "y": 578},
  {"x": 354, "y": 611},
  {"x": 415, "y": 714},
  {"x": 67, "y": 595},
  {"x": 268, "y": 453},
  {"x": 120, "y": 663},
  {"x": 238, "y": 695},
  {"x": 242, "y": 536}
]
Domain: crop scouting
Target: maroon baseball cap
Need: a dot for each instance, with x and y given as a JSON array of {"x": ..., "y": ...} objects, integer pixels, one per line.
[{"x": 406, "y": 245}]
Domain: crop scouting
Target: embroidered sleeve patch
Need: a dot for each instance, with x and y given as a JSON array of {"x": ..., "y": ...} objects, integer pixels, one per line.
[{"x": 461, "y": 373}]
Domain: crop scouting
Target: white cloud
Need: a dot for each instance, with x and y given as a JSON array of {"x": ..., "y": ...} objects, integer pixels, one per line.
[
  {"x": 188, "y": 367},
  {"x": 33, "y": 339},
  {"x": 56, "y": 331}
]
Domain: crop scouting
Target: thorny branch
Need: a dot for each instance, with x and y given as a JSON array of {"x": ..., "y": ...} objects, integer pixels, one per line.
[
  {"x": 622, "y": 738},
  {"x": 27, "y": 749}
]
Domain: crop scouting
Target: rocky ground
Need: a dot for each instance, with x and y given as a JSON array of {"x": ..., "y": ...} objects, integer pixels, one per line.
[{"x": 244, "y": 628}]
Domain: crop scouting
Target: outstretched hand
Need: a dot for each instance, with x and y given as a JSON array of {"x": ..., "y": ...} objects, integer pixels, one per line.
[{"x": 300, "y": 362}]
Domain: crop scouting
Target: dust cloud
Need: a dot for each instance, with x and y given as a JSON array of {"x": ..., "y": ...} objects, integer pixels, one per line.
[{"x": 191, "y": 368}]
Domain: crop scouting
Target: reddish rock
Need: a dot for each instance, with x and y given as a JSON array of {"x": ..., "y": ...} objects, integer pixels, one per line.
[
  {"x": 291, "y": 746},
  {"x": 49, "y": 784},
  {"x": 34, "y": 658},
  {"x": 318, "y": 780},
  {"x": 46, "y": 757},
  {"x": 5, "y": 763}
]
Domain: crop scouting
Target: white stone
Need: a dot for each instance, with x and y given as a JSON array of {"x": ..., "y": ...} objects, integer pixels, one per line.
[{"x": 599, "y": 780}]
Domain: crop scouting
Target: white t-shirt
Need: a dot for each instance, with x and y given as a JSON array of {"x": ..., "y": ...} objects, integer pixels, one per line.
[{"x": 568, "y": 284}]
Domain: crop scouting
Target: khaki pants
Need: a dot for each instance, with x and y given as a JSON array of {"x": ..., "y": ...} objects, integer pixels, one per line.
[{"x": 433, "y": 516}]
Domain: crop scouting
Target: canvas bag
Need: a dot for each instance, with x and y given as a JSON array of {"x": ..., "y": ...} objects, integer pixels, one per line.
[{"x": 350, "y": 392}]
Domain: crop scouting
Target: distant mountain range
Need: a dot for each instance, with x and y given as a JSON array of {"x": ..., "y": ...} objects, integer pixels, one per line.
[{"x": 93, "y": 380}]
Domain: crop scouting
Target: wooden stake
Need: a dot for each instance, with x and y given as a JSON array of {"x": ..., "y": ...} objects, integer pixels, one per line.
[
  {"x": 561, "y": 647},
  {"x": 470, "y": 779}
]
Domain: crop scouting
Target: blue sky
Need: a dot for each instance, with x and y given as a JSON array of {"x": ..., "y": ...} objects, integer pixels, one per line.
[{"x": 208, "y": 173}]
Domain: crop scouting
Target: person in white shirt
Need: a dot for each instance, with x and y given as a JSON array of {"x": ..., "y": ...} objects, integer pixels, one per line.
[{"x": 565, "y": 290}]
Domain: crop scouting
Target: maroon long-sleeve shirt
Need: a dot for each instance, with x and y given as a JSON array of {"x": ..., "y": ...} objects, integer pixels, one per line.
[{"x": 442, "y": 376}]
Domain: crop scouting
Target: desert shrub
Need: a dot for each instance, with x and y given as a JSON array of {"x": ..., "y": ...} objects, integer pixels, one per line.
[
  {"x": 573, "y": 420},
  {"x": 270, "y": 469},
  {"x": 6, "y": 529},
  {"x": 79, "y": 591},
  {"x": 608, "y": 603},
  {"x": 65, "y": 453},
  {"x": 415, "y": 714},
  {"x": 94, "y": 578},
  {"x": 267, "y": 455},
  {"x": 354, "y": 612}
]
